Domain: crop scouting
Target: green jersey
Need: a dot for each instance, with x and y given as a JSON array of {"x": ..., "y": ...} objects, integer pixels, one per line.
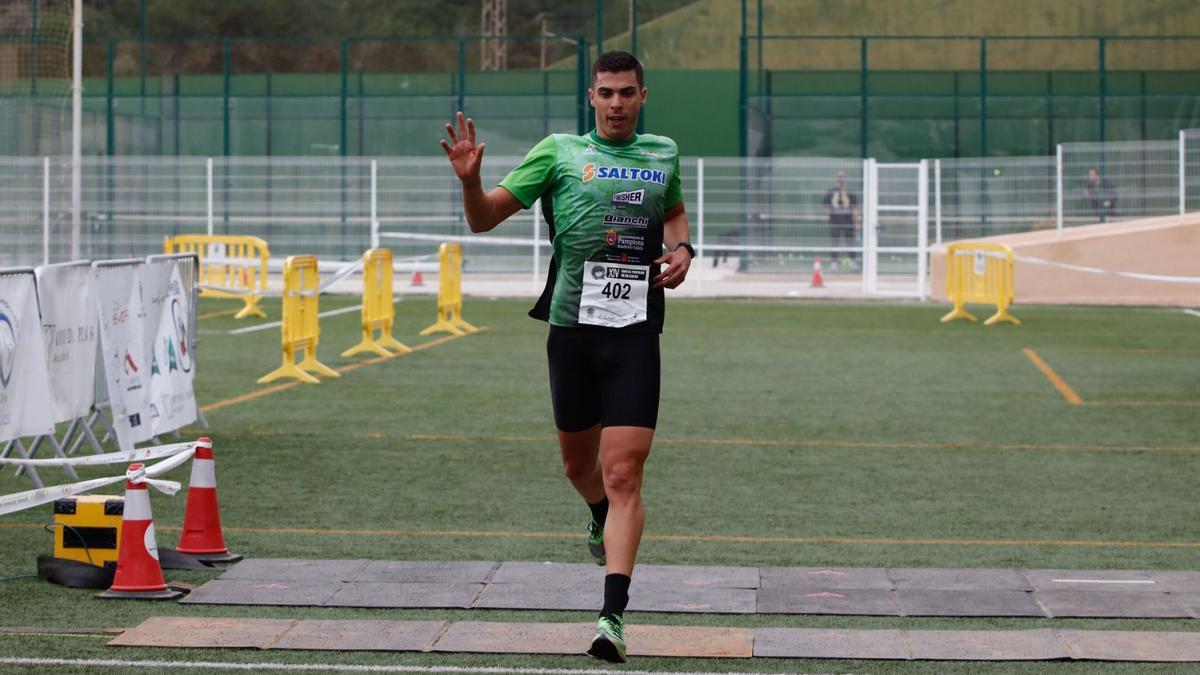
[{"x": 604, "y": 203}]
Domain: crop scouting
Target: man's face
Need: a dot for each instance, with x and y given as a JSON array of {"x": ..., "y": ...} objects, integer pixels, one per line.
[
  {"x": 1093, "y": 176},
  {"x": 617, "y": 99},
  {"x": 841, "y": 180}
]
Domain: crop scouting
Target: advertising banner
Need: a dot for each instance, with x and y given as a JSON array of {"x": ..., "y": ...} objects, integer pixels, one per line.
[
  {"x": 70, "y": 335},
  {"x": 172, "y": 403},
  {"x": 26, "y": 406},
  {"x": 122, "y": 317}
]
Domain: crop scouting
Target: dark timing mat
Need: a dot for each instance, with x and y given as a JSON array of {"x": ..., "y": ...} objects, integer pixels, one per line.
[{"x": 710, "y": 590}]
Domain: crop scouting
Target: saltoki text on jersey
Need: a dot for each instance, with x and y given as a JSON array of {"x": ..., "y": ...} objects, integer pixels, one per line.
[{"x": 630, "y": 173}]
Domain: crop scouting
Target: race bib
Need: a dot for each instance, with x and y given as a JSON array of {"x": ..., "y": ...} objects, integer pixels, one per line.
[{"x": 614, "y": 295}]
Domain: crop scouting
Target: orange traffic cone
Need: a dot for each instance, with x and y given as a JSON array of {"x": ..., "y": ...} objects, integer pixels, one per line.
[
  {"x": 138, "y": 575},
  {"x": 817, "y": 280},
  {"x": 201, "y": 536},
  {"x": 416, "y": 279}
]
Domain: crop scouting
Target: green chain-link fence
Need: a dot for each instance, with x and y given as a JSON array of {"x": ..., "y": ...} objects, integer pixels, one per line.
[
  {"x": 353, "y": 96},
  {"x": 902, "y": 97}
]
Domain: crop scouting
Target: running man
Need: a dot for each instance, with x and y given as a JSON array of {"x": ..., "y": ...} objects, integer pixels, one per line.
[{"x": 613, "y": 205}]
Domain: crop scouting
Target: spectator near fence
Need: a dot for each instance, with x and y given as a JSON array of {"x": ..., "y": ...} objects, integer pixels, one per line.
[
  {"x": 1101, "y": 194},
  {"x": 842, "y": 206}
]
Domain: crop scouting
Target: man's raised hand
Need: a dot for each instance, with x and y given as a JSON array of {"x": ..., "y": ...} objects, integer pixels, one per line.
[{"x": 465, "y": 157}]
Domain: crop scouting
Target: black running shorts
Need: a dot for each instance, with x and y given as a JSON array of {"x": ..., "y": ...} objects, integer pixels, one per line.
[{"x": 603, "y": 376}]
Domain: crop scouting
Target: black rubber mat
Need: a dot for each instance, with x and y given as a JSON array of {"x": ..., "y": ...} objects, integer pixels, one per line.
[
  {"x": 920, "y": 602},
  {"x": 290, "y": 592},
  {"x": 414, "y": 595},
  {"x": 868, "y": 602},
  {"x": 715, "y": 590},
  {"x": 1118, "y": 604}
]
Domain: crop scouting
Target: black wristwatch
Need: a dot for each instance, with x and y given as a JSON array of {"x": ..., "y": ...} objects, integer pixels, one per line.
[{"x": 688, "y": 245}]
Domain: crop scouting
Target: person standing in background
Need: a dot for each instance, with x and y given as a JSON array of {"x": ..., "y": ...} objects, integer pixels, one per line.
[{"x": 842, "y": 206}]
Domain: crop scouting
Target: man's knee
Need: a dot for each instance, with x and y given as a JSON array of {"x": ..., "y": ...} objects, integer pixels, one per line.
[
  {"x": 623, "y": 478},
  {"x": 579, "y": 469}
]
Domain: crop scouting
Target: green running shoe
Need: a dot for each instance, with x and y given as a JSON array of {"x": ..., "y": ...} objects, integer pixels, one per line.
[
  {"x": 595, "y": 542},
  {"x": 609, "y": 643}
]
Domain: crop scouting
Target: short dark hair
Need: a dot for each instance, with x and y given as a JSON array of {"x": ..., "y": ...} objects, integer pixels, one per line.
[{"x": 618, "y": 62}]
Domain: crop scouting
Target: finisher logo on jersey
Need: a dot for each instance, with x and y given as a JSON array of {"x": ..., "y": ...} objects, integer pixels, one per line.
[
  {"x": 630, "y": 173},
  {"x": 636, "y": 197}
]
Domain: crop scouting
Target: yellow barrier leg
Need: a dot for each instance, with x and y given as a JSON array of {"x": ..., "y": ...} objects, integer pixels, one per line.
[
  {"x": 367, "y": 344},
  {"x": 288, "y": 369},
  {"x": 1002, "y": 315},
  {"x": 312, "y": 365},
  {"x": 386, "y": 339},
  {"x": 251, "y": 308},
  {"x": 464, "y": 326},
  {"x": 458, "y": 321},
  {"x": 959, "y": 313},
  {"x": 443, "y": 325}
]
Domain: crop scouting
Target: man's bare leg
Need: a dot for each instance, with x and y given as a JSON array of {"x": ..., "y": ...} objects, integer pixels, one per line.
[
  {"x": 623, "y": 452},
  {"x": 581, "y": 462}
]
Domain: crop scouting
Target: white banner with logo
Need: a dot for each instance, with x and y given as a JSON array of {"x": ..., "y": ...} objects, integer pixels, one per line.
[
  {"x": 172, "y": 403},
  {"x": 70, "y": 334},
  {"x": 122, "y": 336},
  {"x": 26, "y": 406}
]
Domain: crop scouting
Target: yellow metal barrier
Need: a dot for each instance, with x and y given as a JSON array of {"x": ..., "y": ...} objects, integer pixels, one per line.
[
  {"x": 450, "y": 293},
  {"x": 378, "y": 309},
  {"x": 300, "y": 326},
  {"x": 979, "y": 273},
  {"x": 231, "y": 266}
]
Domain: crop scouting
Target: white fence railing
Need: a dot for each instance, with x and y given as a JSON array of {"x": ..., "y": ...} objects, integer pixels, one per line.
[
  {"x": 768, "y": 213},
  {"x": 1083, "y": 183}
]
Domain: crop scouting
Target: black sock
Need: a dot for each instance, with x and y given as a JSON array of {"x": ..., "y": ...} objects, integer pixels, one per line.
[
  {"x": 599, "y": 511},
  {"x": 616, "y": 595}
]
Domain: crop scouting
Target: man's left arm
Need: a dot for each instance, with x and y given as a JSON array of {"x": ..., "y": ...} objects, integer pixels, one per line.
[{"x": 677, "y": 259}]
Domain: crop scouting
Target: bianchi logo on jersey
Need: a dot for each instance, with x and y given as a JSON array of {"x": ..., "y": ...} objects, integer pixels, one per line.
[
  {"x": 627, "y": 221},
  {"x": 635, "y": 197},
  {"x": 631, "y": 173}
]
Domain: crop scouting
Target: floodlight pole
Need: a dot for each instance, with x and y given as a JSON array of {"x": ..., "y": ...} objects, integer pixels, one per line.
[
  {"x": 633, "y": 12},
  {"x": 33, "y": 47},
  {"x": 76, "y": 126},
  {"x": 599, "y": 28},
  {"x": 1058, "y": 188},
  {"x": 1182, "y": 172}
]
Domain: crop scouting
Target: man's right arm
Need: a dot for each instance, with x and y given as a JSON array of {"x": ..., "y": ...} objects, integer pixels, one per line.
[{"x": 486, "y": 210}]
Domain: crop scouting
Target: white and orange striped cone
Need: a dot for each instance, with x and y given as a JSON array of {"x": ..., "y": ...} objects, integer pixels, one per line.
[
  {"x": 201, "y": 536},
  {"x": 138, "y": 575},
  {"x": 817, "y": 280}
]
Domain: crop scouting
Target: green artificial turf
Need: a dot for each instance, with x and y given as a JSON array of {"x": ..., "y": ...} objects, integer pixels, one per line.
[{"x": 790, "y": 433}]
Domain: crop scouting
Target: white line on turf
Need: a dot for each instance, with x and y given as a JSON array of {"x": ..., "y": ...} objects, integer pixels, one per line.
[
  {"x": 1193, "y": 312},
  {"x": 276, "y": 324},
  {"x": 333, "y": 667}
]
